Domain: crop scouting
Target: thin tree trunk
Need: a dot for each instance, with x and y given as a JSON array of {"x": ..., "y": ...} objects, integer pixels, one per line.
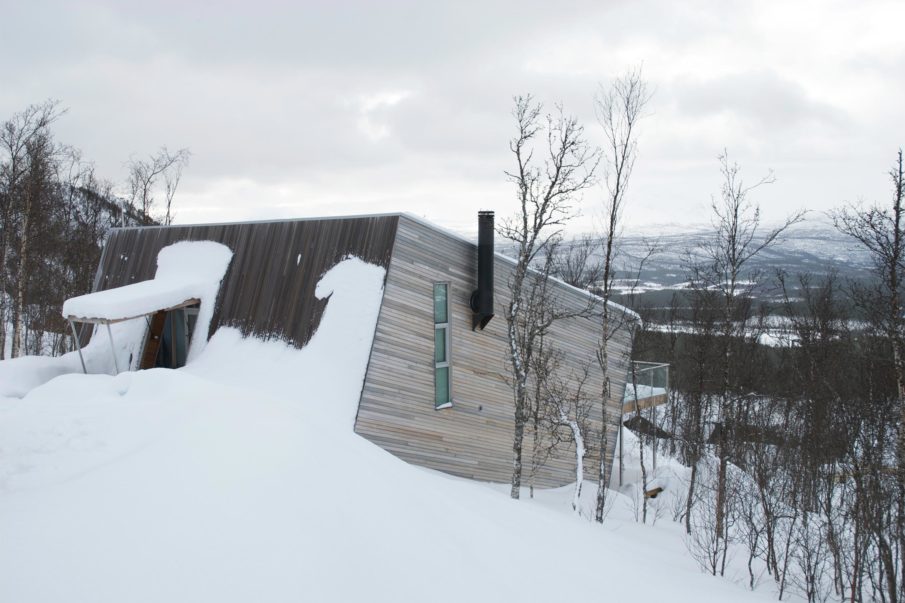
[
  {"x": 722, "y": 442},
  {"x": 579, "y": 456},
  {"x": 604, "y": 435},
  {"x": 689, "y": 501},
  {"x": 898, "y": 345},
  {"x": 519, "y": 436},
  {"x": 889, "y": 567},
  {"x": 535, "y": 445},
  {"x": 603, "y": 357},
  {"x": 640, "y": 449},
  {"x": 3, "y": 312},
  {"x": 19, "y": 325},
  {"x": 520, "y": 393}
]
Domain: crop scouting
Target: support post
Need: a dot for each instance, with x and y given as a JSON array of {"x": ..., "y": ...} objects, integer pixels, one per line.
[
  {"x": 78, "y": 346},
  {"x": 112, "y": 350},
  {"x": 653, "y": 410}
]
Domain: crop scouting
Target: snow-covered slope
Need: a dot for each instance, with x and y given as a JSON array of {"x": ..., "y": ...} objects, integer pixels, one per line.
[{"x": 239, "y": 478}]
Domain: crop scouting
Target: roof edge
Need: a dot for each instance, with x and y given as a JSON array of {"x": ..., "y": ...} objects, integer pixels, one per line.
[
  {"x": 273, "y": 221},
  {"x": 626, "y": 311},
  {"x": 410, "y": 216}
]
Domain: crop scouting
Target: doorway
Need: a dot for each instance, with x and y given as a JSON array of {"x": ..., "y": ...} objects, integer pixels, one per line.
[{"x": 169, "y": 337}]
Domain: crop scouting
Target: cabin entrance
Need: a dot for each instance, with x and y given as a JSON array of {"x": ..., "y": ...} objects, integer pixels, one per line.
[{"x": 169, "y": 337}]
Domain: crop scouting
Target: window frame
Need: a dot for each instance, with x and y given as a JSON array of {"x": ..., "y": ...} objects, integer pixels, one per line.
[{"x": 446, "y": 327}]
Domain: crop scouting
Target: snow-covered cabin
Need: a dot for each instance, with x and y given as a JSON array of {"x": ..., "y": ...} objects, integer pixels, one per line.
[{"x": 436, "y": 392}]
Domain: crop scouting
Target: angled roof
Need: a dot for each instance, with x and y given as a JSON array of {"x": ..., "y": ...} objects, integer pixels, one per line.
[{"x": 269, "y": 288}]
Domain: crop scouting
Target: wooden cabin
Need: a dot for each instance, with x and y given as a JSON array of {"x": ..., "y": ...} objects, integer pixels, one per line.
[{"x": 437, "y": 389}]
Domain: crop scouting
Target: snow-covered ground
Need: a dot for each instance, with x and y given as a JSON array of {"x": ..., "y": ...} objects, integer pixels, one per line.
[{"x": 239, "y": 478}]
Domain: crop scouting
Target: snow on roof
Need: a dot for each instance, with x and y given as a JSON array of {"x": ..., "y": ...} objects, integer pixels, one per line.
[
  {"x": 185, "y": 272},
  {"x": 131, "y": 301},
  {"x": 423, "y": 221}
]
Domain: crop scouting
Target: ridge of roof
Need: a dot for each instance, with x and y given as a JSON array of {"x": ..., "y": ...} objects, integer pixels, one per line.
[
  {"x": 272, "y": 221},
  {"x": 407, "y": 215}
]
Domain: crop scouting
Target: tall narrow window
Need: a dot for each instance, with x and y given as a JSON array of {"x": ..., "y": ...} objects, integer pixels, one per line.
[{"x": 442, "y": 398}]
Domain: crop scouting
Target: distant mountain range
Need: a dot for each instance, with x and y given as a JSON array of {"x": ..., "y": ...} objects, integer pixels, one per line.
[{"x": 813, "y": 246}]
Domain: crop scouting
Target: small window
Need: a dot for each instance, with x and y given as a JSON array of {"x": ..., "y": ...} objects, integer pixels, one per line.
[{"x": 442, "y": 398}]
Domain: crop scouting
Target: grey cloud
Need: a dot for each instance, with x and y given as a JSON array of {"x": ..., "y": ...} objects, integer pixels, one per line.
[
  {"x": 391, "y": 35},
  {"x": 271, "y": 93},
  {"x": 762, "y": 99},
  {"x": 276, "y": 94}
]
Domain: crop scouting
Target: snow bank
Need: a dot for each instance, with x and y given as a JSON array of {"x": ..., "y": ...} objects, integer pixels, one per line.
[
  {"x": 239, "y": 478},
  {"x": 185, "y": 270},
  {"x": 18, "y": 376}
]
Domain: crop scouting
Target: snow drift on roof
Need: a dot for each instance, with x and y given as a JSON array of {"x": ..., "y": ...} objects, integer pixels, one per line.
[{"x": 185, "y": 271}]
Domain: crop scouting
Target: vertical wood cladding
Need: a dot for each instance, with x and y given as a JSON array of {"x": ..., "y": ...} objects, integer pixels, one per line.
[
  {"x": 473, "y": 438},
  {"x": 268, "y": 290}
]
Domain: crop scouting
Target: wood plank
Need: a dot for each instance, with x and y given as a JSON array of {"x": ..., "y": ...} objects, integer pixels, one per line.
[
  {"x": 152, "y": 341},
  {"x": 644, "y": 403},
  {"x": 268, "y": 289},
  {"x": 475, "y": 435},
  {"x": 102, "y": 321}
]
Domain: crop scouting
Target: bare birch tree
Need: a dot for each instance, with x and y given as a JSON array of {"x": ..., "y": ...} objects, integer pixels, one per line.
[
  {"x": 546, "y": 190},
  {"x": 619, "y": 109},
  {"x": 566, "y": 409},
  {"x": 738, "y": 237},
  {"x": 144, "y": 179},
  {"x": 24, "y": 142},
  {"x": 881, "y": 231}
]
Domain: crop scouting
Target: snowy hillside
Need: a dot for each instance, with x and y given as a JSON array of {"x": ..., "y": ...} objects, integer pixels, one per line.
[{"x": 239, "y": 478}]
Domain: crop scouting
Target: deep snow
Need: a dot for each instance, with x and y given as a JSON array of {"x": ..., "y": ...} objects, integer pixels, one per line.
[
  {"x": 239, "y": 478},
  {"x": 185, "y": 270}
]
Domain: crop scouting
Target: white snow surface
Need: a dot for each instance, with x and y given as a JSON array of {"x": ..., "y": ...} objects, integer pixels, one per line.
[
  {"x": 239, "y": 478},
  {"x": 130, "y": 301},
  {"x": 185, "y": 270}
]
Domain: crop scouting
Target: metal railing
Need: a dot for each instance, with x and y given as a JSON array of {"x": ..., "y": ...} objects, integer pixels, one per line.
[{"x": 646, "y": 388}]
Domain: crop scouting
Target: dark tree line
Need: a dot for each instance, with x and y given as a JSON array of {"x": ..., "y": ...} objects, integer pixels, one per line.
[
  {"x": 55, "y": 212},
  {"x": 795, "y": 449}
]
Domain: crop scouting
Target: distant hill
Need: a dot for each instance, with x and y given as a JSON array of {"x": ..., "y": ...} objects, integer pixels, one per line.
[{"x": 814, "y": 247}]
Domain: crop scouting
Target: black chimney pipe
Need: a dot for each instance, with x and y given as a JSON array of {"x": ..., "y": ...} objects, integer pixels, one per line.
[{"x": 482, "y": 298}]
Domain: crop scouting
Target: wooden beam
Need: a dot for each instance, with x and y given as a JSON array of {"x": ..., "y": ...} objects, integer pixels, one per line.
[
  {"x": 152, "y": 343},
  {"x": 648, "y": 402}
]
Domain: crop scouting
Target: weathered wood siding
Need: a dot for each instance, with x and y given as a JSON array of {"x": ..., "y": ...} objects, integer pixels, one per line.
[
  {"x": 473, "y": 438},
  {"x": 268, "y": 290}
]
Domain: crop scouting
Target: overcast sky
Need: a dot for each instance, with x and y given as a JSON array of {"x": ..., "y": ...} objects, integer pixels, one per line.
[{"x": 316, "y": 108}]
